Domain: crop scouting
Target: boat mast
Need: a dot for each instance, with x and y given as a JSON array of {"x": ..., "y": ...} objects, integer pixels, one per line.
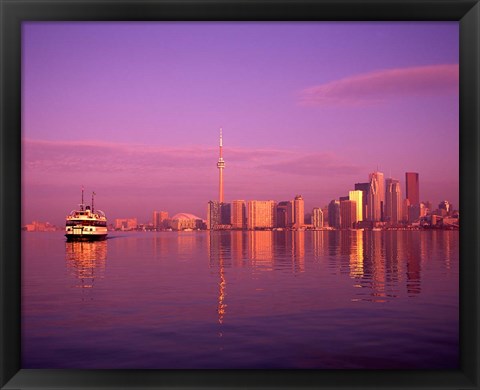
[
  {"x": 93, "y": 194},
  {"x": 81, "y": 205}
]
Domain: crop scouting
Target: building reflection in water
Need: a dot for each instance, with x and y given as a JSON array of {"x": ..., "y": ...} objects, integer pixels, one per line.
[
  {"x": 86, "y": 261},
  {"x": 260, "y": 249},
  {"x": 417, "y": 251},
  {"x": 298, "y": 250},
  {"x": 356, "y": 255},
  {"x": 381, "y": 264}
]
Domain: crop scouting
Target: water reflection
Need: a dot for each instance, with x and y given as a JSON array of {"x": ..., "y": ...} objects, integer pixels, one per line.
[
  {"x": 86, "y": 261},
  {"x": 382, "y": 265}
]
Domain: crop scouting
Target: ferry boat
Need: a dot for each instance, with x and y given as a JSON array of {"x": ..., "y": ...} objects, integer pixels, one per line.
[{"x": 86, "y": 224}]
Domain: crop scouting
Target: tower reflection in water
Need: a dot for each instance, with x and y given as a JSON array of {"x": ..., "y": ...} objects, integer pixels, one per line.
[{"x": 86, "y": 262}]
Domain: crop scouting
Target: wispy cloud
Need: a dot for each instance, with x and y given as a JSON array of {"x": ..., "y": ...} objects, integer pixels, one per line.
[
  {"x": 137, "y": 161},
  {"x": 313, "y": 165},
  {"x": 382, "y": 85}
]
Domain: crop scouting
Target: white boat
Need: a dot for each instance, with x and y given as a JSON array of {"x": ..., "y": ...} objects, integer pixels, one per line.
[{"x": 86, "y": 224}]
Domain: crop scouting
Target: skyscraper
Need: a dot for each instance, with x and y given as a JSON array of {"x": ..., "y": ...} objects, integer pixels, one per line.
[
  {"x": 376, "y": 196},
  {"x": 364, "y": 187},
  {"x": 412, "y": 187},
  {"x": 214, "y": 215},
  {"x": 158, "y": 218},
  {"x": 357, "y": 196},
  {"x": 239, "y": 215},
  {"x": 393, "y": 201},
  {"x": 334, "y": 214},
  {"x": 317, "y": 217},
  {"x": 298, "y": 212},
  {"x": 221, "y": 167},
  {"x": 348, "y": 213},
  {"x": 283, "y": 214},
  {"x": 261, "y": 214}
]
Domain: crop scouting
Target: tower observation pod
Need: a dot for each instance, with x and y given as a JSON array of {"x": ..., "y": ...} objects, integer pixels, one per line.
[{"x": 221, "y": 167}]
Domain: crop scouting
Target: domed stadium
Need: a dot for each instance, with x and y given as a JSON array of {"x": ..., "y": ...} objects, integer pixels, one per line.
[
  {"x": 185, "y": 216},
  {"x": 186, "y": 221}
]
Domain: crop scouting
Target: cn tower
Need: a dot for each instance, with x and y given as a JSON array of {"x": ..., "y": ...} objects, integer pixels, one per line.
[{"x": 220, "y": 166}]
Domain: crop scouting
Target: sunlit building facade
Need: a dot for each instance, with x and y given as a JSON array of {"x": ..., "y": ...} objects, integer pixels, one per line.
[
  {"x": 412, "y": 187},
  {"x": 393, "y": 201},
  {"x": 261, "y": 214},
  {"x": 298, "y": 212},
  {"x": 126, "y": 223},
  {"x": 365, "y": 188},
  {"x": 376, "y": 197},
  {"x": 159, "y": 218},
  {"x": 239, "y": 214},
  {"x": 182, "y": 221},
  {"x": 357, "y": 196},
  {"x": 348, "y": 214},
  {"x": 317, "y": 217}
]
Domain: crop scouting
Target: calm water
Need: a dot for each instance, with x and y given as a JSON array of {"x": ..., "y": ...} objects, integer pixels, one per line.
[{"x": 326, "y": 299}]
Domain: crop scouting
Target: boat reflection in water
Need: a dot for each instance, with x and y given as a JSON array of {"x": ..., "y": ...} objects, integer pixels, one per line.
[{"x": 86, "y": 261}]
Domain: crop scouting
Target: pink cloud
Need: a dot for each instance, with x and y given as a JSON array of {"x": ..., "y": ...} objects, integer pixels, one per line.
[{"x": 382, "y": 85}]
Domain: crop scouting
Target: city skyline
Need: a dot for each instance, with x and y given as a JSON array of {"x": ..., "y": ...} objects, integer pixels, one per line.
[{"x": 143, "y": 137}]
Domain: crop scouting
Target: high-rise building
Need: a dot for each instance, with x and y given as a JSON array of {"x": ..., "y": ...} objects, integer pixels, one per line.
[
  {"x": 261, "y": 214},
  {"x": 415, "y": 212},
  {"x": 158, "y": 219},
  {"x": 221, "y": 167},
  {"x": 376, "y": 196},
  {"x": 357, "y": 196},
  {"x": 348, "y": 213},
  {"x": 405, "y": 206},
  {"x": 445, "y": 207},
  {"x": 284, "y": 214},
  {"x": 393, "y": 201},
  {"x": 334, "y": 214},
  {"x": 239, "y": 214},
  {"x": 298, "y": 212},
  {"x": 214, "y": 215},
  {"x": 317, "y": 217},
  {"x": 412, "y": 188},
  {"x": 218, "y": 215},
  {"x": 364, "y": 187}
]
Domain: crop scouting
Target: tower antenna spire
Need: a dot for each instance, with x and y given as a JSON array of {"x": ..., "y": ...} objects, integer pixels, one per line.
[{"x": 221, "y": 167}]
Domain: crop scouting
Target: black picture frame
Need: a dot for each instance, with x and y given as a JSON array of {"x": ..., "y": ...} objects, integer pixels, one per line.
[{"x": 13, "y": 12}]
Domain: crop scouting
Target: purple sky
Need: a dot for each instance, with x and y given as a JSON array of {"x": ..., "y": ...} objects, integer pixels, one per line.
[{"x": 132, "y": 111}]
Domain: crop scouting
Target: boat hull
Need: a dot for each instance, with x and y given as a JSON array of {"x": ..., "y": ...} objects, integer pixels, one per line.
[{"x": 86, "y": 237}]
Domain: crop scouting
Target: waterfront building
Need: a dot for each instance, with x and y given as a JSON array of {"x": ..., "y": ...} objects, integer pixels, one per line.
[
  {"x": 284, "y": 214},
  {"x": 445, "y": 207},
  {"x": 238, "y": 214},
  {"x": 357, "y": 196},
  {"x": 298, "y": 212},
  {"x": 364, "y": 187},
  {"x": 126, "y": 223},
  {"x": 182, "y": 221},
  {"x": 415, "y": 212},
  {"x": 317, "y": 217},
  {"x": 218, "y": 215},
  {"x": 334, "y": 214},
  {"x": 348, "y": 214},
  {"x": 214, "y": 218},
  {"x": 261, "y": 214},
  {"x": 159, "y": 218},
  {"x": 412, "y": 187},
  {"x": 405, "y": 206},
  {"x": 376, "y": 197},
  {"x": 393, "y": 201}
]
